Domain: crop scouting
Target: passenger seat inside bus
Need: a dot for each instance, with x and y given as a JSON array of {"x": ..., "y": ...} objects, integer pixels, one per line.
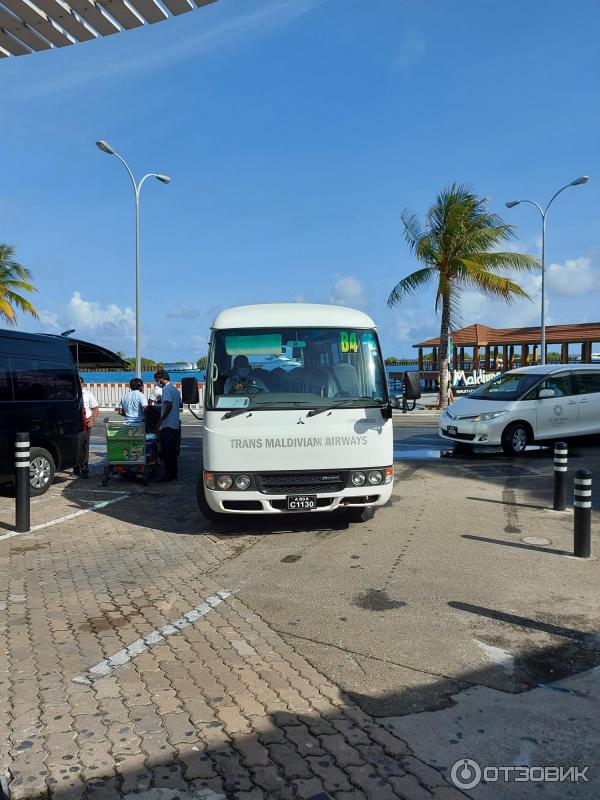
[
  {"x": 305, "y": 380},
  {"x": 343, "y": 381}
]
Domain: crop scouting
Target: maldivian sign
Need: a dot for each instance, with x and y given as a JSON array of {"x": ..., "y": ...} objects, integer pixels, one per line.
[{"x": 474, "y": 378}]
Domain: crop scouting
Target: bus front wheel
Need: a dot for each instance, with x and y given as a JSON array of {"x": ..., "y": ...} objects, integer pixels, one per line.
[{"x": 361, "y": 513}]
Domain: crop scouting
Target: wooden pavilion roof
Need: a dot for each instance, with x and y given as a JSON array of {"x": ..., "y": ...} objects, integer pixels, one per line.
[{"x": 482, "y": 335}]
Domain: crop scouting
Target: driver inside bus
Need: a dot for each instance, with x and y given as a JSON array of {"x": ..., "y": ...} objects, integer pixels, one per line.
[{"x": 242, "y": 381}]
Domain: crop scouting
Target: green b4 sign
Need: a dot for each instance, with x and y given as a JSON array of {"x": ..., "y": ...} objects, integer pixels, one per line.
[{"x": 348, "y": 342}]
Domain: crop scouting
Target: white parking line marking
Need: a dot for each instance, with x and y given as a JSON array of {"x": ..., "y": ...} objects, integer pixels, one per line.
[
  {"x": 140, "y": 646},
  {"x": 94, "y": 507},
  {"x": 499, "y": 656}
]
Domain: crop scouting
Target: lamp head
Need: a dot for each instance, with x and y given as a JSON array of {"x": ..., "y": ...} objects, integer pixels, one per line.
[
  {"x": 580, "y": 181},
  {"x": 69, "y": 332},
  {"x": 512, "y": 203},
  {"x": 105, "y": 147},
  {"x": 163, "y": 178}
]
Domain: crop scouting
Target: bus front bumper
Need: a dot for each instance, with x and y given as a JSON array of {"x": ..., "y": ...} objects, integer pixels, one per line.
[{"x": 254, "y": 502}]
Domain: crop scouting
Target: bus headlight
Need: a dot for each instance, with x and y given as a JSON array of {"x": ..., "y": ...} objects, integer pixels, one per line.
[
  {"x": 242, "y": 482},
  {"x": 224, "y": 482},
  {"x": 375, "y": 477},
  {"x": 358, "y": 478}
]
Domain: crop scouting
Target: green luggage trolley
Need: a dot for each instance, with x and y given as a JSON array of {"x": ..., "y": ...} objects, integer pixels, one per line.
[{"x": 127, "y": 451}]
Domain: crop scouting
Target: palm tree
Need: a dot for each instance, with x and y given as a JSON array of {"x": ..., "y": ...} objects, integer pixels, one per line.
[
  {"x": 13, "y": 277},
  {"x": 457, "y": 246}
]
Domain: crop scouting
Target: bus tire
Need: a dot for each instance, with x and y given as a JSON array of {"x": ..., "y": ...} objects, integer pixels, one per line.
[
  {"x": 205, "y": 509},
  {"x": 361, "y": 513}
]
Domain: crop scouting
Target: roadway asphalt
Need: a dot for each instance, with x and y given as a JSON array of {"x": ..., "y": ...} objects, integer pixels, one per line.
[{"x": 460, "y": 594}]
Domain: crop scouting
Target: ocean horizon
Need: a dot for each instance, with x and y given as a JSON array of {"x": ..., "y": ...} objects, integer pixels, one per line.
[{"x": 176, "y": 375}]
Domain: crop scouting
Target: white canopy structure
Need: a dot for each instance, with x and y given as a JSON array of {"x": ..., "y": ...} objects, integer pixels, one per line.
[{"x": 27, "y": 26}]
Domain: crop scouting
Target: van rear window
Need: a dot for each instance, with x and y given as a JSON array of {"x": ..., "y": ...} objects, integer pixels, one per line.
[{"x": 44, "y": 380}]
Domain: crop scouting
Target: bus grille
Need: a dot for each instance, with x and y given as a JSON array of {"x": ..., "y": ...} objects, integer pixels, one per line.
[{"x": 302, "y": 482}]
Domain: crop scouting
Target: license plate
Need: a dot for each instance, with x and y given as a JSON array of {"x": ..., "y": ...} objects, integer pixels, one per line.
[
  {"x": 452, "y": 430},
  {"x": 301, "y": 502}
]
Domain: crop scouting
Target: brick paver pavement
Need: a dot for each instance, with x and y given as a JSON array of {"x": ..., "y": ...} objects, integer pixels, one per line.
[{"x": 223, "y": 704}]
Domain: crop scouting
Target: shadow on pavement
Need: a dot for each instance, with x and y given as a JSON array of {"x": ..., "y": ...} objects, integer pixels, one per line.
[{"x": 520, "y": 545}]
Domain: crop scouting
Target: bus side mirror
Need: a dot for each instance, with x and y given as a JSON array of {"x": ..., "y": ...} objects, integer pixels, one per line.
[
  {"x": 189, "y": 391},
  {"x": 412, "y": 385},
  {"x": 395, "y": 401}
]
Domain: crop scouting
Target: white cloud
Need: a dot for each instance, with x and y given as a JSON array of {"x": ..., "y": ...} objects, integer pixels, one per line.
[
  {"x": 182, "y": 311},
  {"x": 575, "y": 276},
  {"x": 49, "y": 321},
  {"x": 110, "y": 320},
  {"x": 109, "y": 325},
  {"x": 411, "y": 49},
  {"x": 347, "y": 291}
]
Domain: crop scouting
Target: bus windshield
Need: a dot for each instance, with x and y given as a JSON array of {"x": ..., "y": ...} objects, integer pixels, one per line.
[{"x": 279, "y": 368}]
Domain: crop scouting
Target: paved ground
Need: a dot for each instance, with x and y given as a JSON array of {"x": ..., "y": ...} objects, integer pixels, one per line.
[{"x": 313, "y": 674}]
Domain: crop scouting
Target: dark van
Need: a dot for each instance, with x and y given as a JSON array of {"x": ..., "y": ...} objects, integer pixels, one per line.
[{"x": 40, "y": 394}]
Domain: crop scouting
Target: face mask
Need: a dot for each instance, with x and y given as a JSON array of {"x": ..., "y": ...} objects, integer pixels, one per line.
[{"x": 243, "y": 372}]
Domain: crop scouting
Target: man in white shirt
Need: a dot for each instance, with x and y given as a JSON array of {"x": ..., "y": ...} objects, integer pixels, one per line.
[
  {"x": 155, "y": 396},
  {"x": 90, "y": 412},
  {"x": 170, "y": 425},
  {"x": 133, "y": 403}
]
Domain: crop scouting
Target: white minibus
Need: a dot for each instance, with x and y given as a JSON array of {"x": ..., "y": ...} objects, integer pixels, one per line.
[
  {"x": 523, "y": 406},
  {"x": 297, "y": 415}
]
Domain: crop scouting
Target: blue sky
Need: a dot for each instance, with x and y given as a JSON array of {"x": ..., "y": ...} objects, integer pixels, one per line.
[{"x": 295, "y": 132}]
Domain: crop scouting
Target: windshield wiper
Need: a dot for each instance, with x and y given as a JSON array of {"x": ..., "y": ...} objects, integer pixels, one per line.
[
  {"x": 344, "y": 404},
  {"x": 235, "y": 412}
]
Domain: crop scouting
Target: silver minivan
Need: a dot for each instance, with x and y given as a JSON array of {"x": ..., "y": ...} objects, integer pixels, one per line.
[{"x": 532, "y": 404}]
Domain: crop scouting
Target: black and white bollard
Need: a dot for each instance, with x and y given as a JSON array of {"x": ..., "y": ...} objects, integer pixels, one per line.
[
  {"x": 582, "y": 532},
  {"x": 22, "y": 509},
  {"x": 560, "y": 476}
]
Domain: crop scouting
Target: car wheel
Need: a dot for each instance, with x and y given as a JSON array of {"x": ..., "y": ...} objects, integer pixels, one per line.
[
  {"x": 515, "y": 439},
  {"x": 205, "y": 509},
  {"x": 361, "y": 513},
  {"x": 41, "y": 471}
]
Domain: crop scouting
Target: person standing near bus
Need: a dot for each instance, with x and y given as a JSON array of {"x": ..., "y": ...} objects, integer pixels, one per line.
[
  {"x": 133, "y": 403},
  {"x": 170, "y": 425},
  {"x": 90, "y": 412}
]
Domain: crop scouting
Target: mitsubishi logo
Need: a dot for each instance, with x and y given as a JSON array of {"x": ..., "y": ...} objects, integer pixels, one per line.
[{"x": 300, "y": 421}]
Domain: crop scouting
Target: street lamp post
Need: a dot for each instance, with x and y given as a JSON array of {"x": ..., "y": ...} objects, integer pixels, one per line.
[
  {"x": 544, "y": 214},
  {"x": 137, "y": 187}
]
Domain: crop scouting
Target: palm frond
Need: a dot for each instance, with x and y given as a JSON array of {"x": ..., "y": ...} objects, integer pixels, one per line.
[
  {"x": 494, "y": 261},
  {"x": 14, "y": 278},
  {"x": 410, "y": 284},
  {"x": 17, "y": 300},
  {"x": 413, "y": 231},
  {"x": 7, "y": 312},
  {"x": 489, "y": 283}
]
